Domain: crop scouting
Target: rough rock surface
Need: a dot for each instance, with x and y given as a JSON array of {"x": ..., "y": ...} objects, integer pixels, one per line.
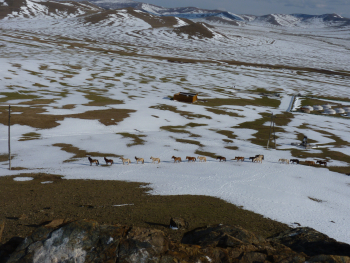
[
  {"x": 87, "y": 241},
  {"x": 178, "y": 222},
  {"x": 311, "y": 242}
]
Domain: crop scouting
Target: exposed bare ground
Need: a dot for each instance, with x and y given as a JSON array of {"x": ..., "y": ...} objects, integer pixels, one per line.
[{"x": 24, "y": 205}]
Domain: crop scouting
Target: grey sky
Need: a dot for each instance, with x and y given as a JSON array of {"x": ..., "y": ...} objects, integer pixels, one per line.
[{"x": 263, "y": 7}]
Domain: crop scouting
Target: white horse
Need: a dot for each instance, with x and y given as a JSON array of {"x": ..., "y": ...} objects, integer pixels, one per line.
[
  {"x": 202, "y": 158},
  {"x": 154, "y": 160},
  {"x": 125, "y": 160},
  {"x": 257, "y": 159},
  {"x": 139, "y": 160}
]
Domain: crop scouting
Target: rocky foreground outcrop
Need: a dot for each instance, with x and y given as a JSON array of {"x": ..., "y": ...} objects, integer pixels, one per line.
[{"x": 87, "y": 241}]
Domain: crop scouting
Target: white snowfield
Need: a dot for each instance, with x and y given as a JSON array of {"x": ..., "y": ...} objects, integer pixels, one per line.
[{"x": 67, "y": 62}]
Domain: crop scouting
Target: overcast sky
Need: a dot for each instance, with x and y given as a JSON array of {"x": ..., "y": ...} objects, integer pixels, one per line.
[{"x": 263, "y": 7}]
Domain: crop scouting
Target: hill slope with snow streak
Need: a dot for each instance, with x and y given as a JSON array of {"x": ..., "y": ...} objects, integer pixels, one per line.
[
  {"x": 229, "y": 18},
  {"x": 47, "y": 9}
]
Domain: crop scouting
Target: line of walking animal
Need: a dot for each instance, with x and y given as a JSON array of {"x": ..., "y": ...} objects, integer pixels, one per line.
[
  {"x": 257, "y": 158},
  {"x": 296, "y": 161}
]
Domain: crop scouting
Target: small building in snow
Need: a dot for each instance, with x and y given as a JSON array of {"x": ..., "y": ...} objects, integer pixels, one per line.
[
  {"x": 329, "y": 111},
  {"x": 339, "y": 110},
  {"x": 186, "y": 97},
  {"x": 318, "y": 107},
  {"x": 307, "y": 107},
  {"x": 305, "y": 110}
]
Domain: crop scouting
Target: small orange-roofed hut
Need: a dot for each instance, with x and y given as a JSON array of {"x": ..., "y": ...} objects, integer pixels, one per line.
[{"x": 185, "y": 97}]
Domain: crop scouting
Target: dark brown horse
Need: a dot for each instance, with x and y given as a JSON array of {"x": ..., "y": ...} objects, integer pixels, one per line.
[
  {"x": 294, "y": 161},
  {"x": 108, "y": 161},
  {"x": 93, "y": 161},
  {"x": 221, "y": 158},
  {"x": 322, "y": 162},
  {"x": 192, "y": 159}
]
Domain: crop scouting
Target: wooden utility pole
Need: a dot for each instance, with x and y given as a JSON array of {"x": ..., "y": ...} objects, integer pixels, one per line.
[
  {"x": 9, "y": 137},
  {"x": 272, "y": 126}
]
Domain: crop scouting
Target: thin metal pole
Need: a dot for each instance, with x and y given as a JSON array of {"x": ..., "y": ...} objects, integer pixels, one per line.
[
  {"x": 274, "y": 133},
  {"x": 9, "y": 137},
  {"x": 268, "y": 141}
]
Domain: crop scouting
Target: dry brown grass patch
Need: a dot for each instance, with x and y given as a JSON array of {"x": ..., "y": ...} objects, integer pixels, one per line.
[
  {"x": 186, "y": 114},
  {"x": 190, "y": 142},
  {"x": 104, "y": 116},
  {"x": 17, "y": 96},
  {"x": 33, "y": 117},
  {"x": 340, "y": 169},
  {"x": 223, "y": 112},
  {"x": 137, "y": 139},
  {"x": 98, "y": 100},
  {"x": 5, "y": 157},
  {"x": 68, "y": 106},
  {"x": 207, "y": 154},
  {"x": 37, "y": 101},
  {"x": 227, "y": 133},
  {"x": 261, "y": 102},
  {"x": 78, "y": 153},
  {"x": 30, "y": 136},
  {"x": 233, "y": 148},
  {"x": 30, "y": 116}
]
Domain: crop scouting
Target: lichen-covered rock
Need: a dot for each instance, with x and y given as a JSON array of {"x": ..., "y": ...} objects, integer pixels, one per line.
[
  {"x": 142, "y": 244},
  {"x": 80, "y": 241},
  {"x": 329, "y": 259},
  {"x": 311, "y": 242},
  {"x": 85, "y": 241},
  {"x": 220, "y": 235}
]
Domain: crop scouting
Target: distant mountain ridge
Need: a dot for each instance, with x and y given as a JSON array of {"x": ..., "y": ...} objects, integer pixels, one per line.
[
  {"x": 226, "y": 17},
  {"x": 58, "y": 8}
]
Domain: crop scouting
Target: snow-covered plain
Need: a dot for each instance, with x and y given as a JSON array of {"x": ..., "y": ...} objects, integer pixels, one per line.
[{"x": 65, "y": 63}]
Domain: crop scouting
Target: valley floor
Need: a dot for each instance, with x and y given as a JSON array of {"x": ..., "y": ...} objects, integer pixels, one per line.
[{"x": 72, "y": 97}]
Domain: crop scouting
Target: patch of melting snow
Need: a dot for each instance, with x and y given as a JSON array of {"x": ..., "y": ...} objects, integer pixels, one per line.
[
  {"x": 47, "y": 182},
  {"x": 22, "y": 179},
  {"x": 123, "y": 205}
]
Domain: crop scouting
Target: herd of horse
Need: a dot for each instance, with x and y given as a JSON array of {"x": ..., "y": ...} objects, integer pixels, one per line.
[
  {"x": 257, "y": 158},
  {"x": 313, "y": 163}
]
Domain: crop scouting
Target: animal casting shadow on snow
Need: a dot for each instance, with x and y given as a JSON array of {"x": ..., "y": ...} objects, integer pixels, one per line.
[
  {"x": 176, "y": 159},
  {"x": 108, "y": 161},
  {"x": 221, "y": 158},
  {"x": 93, "y": 161},
  {"x": 154, "y": 160},
  {"x": 189, "y": 158},
  {"x": 139, "y": 160},
  {"x": 125, "y": 160}
]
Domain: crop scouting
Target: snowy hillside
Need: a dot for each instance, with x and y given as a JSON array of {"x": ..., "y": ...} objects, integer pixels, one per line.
[
  {"x": 300, "y": 20},
  {"x": 45, "y": 9},
  {"x": 224, "y": 17},
  {"x": 98, "y": 83}
]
